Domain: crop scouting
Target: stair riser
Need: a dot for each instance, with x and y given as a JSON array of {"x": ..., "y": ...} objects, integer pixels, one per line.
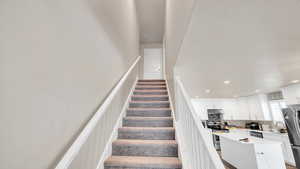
[
  {"x": 150, "y": 84},
  {"x": 147, "y": 123},
  {"x": 147, "y": 134},
  {"x": 146, "y": 113},
  {"x": 149, "y": 105},
  {"x": 154, "y": 80},
  {"x": 151, "y": 88},
  {"x": 150, "y": 98},
  {"x": 156, "y": 150},
  {"x": 150, "y": 93}
]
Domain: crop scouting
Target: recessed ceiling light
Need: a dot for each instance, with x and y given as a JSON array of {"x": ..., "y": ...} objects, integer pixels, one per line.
[
  {"x": 196, "y": 97},
  {"x": 295, "y": 81},
  {"x": 227, "y": 82},
  {"x": 207, "y": 91},
  {"x": 257, "y": 91}
]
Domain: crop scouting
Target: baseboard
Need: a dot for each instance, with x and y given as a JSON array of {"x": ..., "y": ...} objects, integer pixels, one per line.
[{"x": 108, "y": 148}]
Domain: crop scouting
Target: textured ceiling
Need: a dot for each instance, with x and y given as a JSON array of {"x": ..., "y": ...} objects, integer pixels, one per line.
[{"x": 151, "y": 15}]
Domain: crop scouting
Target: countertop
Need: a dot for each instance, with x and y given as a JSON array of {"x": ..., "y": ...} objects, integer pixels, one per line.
[
  {"x": 264, "y": 132},
  {"x": 252, "y": 140}
]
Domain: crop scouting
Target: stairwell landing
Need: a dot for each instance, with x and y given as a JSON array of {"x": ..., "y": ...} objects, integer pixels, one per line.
[{"x": 147, "y": 138}]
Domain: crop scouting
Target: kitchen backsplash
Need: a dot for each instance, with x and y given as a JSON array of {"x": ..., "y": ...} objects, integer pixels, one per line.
[{"x": 242, "y": 123}]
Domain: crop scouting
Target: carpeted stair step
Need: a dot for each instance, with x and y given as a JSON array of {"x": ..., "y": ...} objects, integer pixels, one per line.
[
  {"x": 150, "y": 92},
  {"x": 139, "y": 162},
  {"x": 151, "y": 80},
  {"x": 150, "y": 83},
  {"x": 158, "y": 148},
  {"x": 162, "y": 87},
  {"x": 149, "y": 112},
  {"x": 149, "y": 104},
  {"x": 147, "y": 133},
  {"x": 150, "y": 98},
  {"x": 148, "y": 121}
]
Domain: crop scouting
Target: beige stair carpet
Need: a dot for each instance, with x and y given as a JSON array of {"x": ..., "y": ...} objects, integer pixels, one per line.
[{"x": 147, "y": 138}]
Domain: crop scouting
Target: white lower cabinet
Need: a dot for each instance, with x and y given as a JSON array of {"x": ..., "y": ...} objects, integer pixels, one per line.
[{"x": 286, "y": 146}]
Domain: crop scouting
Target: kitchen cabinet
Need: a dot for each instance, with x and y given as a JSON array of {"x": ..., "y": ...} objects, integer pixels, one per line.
[
  {"x": 230, "y": 109},
  {"x": 259, "y": 107},
  {"x": 286, "y": 146},
  {"x": 255, "y": 154},
  {"x": 254, "y": 108},
  {"x": 243, "y": 108},
  {"x": 278, "y": 137}
]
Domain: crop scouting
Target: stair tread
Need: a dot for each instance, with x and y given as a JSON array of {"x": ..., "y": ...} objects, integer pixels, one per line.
[
  {"x": 141, "y": 108},
  {"x": 149, "y": 95},
  {"x": 140, "y": 161},
  {"x": 150, "y": 90},
  {"x": 144, "y": 142},
  {"x": 148, "y": 101},
  {"x": 148, "y": 118},
  {"x": 151, "y": 80},
  {"x": 146, "y": 128},
  {"x": 144, "y": 86}
]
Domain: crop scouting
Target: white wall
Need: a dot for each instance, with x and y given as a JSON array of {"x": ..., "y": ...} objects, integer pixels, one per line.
[
  {"x": 291, "y": 94},
  {"x": 58, "y": 61},
  {"x": 178, "y": 15}
]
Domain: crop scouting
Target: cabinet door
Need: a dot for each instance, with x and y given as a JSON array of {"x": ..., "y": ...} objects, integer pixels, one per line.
[
  {"x": 243, "y": 109},
  {"x": 255, "y": 110},
  {"x": 264, "y": 103},
  {"x": 230, "y": 109},
  {"x": 287, "y": 151}
]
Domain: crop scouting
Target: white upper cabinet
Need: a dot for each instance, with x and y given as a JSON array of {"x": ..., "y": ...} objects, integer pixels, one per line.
[
  {"x": 244, "y": 108},
  {"x": 254, "y": 107},
  {"x": 255, "y": 110},
  {"x": 230, "y": 109}
]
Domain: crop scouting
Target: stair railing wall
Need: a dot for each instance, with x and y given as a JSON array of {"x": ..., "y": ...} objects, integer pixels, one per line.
[
  {"x": 197, "y": 151},
  {"x": 91, "y": 147}
]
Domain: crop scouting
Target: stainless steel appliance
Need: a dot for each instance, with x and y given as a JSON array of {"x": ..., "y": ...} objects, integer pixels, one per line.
[
  {"x": 216, "y": 123},
  {"x": 215, "y": 119},
  {"x": 256, "y": 134},
  {"x": 253, "y": 126},
  {"x": 292, "y": 121}
]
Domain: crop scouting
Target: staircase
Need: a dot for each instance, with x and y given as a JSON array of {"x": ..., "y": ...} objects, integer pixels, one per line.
[{"x": 147, "y": 138}]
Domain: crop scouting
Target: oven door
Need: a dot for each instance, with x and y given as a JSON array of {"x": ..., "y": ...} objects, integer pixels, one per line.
[{"x": 217, "y": 142}]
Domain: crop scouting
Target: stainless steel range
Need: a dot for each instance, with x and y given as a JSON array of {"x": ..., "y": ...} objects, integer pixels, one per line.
[
  {"x": 216, "y": 123},
  {"x": 215, "y": 119}
]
